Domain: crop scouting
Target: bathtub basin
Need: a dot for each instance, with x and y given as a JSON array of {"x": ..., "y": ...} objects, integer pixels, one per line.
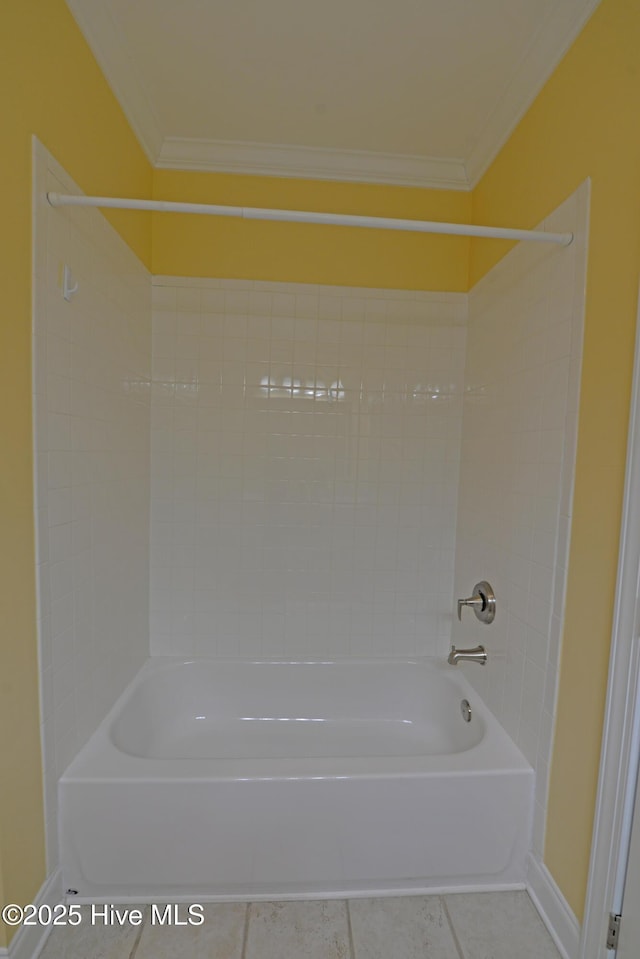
[{"x": 225, "y": 779}]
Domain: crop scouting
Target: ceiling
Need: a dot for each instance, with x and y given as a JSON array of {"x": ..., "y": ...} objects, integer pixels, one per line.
[{"x": 420, "y": 92}]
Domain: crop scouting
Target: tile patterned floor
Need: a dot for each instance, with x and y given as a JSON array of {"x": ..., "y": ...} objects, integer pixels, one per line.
[{"x": 486, "y": 925}]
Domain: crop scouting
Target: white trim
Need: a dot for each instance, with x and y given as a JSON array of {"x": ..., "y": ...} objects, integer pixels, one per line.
[
  {"x": 314, "y": 163},
  {"x": 551, "y": 43},
  {"x": 38, "y": 249},
  {"x": 621, "y": 732},
  {"x": 105, "y": 41},
  {"x": 29, "y": 940},
  {"x": 553, "y": 908}
]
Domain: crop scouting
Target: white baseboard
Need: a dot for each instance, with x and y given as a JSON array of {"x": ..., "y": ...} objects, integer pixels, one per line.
[
  {"x": 29, "y": 940},
  {"x": 554, "y": 909}
]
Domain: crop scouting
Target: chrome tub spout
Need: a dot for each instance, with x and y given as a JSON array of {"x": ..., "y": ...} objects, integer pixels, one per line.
[{"x": 476, "y": 655}]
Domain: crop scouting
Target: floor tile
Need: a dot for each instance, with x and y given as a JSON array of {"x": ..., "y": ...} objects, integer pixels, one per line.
[
  {"x": 499, "y": 925},
  {"x": 414, "y": 927},
  {"x": 292, "y": 930},
  {"x": 219, "y": 937},
  {"x": 92, "y": 940}
]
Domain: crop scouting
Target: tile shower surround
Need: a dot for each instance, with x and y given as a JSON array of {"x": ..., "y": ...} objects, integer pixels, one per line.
[
  {"x": 304, "y": 469},
  {"x": 522, "y": 382},
  {"x": 91, "y": 382},
  {"x": 306, "y": 445}
]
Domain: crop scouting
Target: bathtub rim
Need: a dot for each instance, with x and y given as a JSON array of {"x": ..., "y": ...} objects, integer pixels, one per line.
[{"x": 100, "y": 760}]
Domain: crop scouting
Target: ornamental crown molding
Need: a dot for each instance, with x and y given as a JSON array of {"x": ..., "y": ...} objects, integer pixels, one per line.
[{"x": 285, "y": 160}]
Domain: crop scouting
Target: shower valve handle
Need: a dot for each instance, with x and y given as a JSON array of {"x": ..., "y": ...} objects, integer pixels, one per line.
[
  {"x": 476, "y": 602},
  {"x": 483, "y": 602}
]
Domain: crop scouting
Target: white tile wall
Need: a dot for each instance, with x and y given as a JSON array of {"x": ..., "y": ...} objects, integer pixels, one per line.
[
  {"x": 304, "y": 469},
  {"x": 92, "y": 418},
  {"x": 516, "y": 477}
]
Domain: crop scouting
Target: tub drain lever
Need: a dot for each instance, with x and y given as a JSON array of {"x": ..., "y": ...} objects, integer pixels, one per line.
[{"x": 483, "y": 602}]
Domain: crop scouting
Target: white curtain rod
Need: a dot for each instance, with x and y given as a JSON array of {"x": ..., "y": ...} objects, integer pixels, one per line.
[{"x": 299, "y": 216}]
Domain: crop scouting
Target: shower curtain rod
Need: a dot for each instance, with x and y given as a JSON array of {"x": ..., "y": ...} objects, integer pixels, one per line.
[{"x": 299, "y": 216}]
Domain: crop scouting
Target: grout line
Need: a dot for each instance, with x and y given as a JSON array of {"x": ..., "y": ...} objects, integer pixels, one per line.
[
  {"x": 352, "y": 948},
  {"x": 245, "y": 932},
  {"x": 139, "y": 936},
  {"x": 457, "y": 942}
]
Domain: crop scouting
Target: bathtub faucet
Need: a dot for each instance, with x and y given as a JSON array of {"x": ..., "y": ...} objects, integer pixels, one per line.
[{"x": 476, "y": 655}]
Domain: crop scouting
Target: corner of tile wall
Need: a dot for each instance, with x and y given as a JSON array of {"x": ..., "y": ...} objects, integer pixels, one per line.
[
  {"x": 91, "y": 383},
  {"x": 519, "y": 436}
]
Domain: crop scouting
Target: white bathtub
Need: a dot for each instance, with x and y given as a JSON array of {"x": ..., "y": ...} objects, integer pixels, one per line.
[{"x": 225, "y": 779}]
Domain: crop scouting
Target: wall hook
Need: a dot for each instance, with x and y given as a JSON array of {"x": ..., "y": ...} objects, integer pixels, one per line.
[{"x": 70, "y": 286}]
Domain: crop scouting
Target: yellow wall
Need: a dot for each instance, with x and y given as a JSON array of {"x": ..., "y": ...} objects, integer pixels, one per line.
[
  {"x": 51, "y": 86},
  {"x": 584, "y": 123},
  {"x": 302, "y": 253}
]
